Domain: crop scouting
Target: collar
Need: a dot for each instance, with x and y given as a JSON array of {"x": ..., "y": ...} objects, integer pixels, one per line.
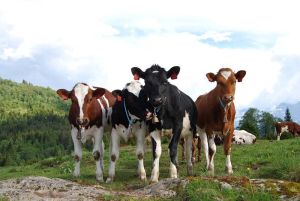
[{"x": 130, "y": 121}]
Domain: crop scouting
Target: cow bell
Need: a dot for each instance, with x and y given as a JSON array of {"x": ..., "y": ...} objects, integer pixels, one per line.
[{"x": 155, "y": 119}]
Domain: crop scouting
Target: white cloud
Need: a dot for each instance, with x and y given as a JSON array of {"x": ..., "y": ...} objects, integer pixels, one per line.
[
  {"x": 215, "y": 36},
  {"x": 89, "y": 35}
]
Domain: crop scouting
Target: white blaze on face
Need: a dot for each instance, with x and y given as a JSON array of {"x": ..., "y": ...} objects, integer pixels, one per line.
[
  {"x": 81, "y": 91},
  {"x": 285, "y": 129},
  {"x": 134, "y": 87},
  {"x": 226, "y": 74}
]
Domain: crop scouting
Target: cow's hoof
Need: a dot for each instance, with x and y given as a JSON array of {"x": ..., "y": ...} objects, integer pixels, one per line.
[
  {"x": 228, "y": 170},
  {"x": 100, "y": 179},
  {"x": 153, "y": 181},
  {"x": 190, "y": 170},
  {"x": 143, "y": 177},
  {"x": 76, "y": 174},
  {"x": 109, "y": 180}
]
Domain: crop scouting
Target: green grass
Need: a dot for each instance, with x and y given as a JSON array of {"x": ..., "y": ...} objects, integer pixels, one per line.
[
  {"x": 208, "y": 190},
  {"x": 265, "y": 159}
]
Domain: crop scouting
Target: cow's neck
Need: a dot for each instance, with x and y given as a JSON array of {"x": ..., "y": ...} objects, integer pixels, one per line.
[{"x": 222, "y": 109}]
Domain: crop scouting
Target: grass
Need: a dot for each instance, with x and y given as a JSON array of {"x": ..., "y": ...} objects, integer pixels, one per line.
[{"x": 265, "y": 159}]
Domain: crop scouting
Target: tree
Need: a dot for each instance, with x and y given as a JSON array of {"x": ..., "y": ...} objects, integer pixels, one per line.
[
  {"x": 266, "y": 125},
  {"x": 287, "y": 116},
  {"x": 249, "y": 121}
]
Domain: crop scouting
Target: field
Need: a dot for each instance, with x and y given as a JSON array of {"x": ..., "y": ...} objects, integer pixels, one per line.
[{"x": 265, "y": 159}]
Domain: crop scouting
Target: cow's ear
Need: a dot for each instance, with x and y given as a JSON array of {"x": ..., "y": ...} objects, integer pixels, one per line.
[
  {"x": 240, "y": 75},
  {"x": 118, "y": 94},
  {"x": 211, "y": 77},
  {"x": 97, "y": 93},
  {"x": 63, "y": 94},
  {"x": 173, "y": 72},
  {"x": 137, "y": 73}
]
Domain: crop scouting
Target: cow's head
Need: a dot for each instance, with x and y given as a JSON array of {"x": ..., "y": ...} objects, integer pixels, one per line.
[
  {"x": 134, "y": 103},
  {"x": 156, "y": 81},
  {"x": 83, "y": 99},
  {"x": 226, "y": 80}
]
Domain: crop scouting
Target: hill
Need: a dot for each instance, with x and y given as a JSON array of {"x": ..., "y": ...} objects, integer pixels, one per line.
[{"x": 33, "y": 123}]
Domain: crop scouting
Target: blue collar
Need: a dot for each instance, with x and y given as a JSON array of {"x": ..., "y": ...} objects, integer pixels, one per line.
[
  {"x": 130, "y": 121},
  {"x": 221, "y": 103}
]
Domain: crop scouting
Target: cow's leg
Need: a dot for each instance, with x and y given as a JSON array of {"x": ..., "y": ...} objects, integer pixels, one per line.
[
  {"x": 173, "y": 150},
  {"x": 114, "y": 154},
  {"x": 98, "y": 153},
  {"x": 278, "y": 136},
  {"x": 188, "y": 151},
  {"x": 77, "y": 151},
  {"x": 140, "y": 150},
  {"x": 156, "y": 149},
  {"x": 194, "y": 148},
  {"x": 212, "y": 152},
  {"x": 199, "y": 148},
  {"x": 204, "y": 144},
  {"x": 182, "y": 143},
  {"x": 227, "y": 151}
]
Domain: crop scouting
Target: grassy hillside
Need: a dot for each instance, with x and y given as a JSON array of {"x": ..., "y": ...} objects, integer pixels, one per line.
[
  {"x": 33, "y": 123},
  {"x": 265, "y": 159}
]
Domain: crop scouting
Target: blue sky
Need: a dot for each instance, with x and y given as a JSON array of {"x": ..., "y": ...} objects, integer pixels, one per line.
[{"x": 58, "y": 43}]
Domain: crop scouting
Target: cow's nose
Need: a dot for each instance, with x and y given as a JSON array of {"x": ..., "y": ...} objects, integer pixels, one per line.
[
  {"x": 228, "y": 98},
  {"x": 157, "y": 101},
  {"x": 82, "y": 122}
]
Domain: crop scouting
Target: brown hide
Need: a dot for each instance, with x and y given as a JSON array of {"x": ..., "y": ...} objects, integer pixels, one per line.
[
  {"x": 216, "y": 110},
  {"x": 293, "y": 127},
  {"x": 92, "y": 110}
]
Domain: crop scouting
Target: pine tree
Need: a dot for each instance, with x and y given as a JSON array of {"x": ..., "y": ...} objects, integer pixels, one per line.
[{"x": 287, "y": 116}]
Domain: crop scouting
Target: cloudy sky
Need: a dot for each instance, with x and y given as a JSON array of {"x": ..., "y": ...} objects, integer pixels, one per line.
[{"x": 57, "y": 43}]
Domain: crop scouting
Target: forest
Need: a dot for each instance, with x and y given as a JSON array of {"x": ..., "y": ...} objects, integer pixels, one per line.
[{"x": 33, "y": 123}]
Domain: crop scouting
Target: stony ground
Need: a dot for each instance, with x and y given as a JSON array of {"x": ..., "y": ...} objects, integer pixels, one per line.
[{"x": 42, "y": 188}]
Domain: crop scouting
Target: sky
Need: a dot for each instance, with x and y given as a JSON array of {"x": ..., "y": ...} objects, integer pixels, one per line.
[{"x": 57, "y": 43}]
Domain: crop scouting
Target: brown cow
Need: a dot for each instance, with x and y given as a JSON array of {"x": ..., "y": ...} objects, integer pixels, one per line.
[
  {"x": 89, "y": 113},
  {"x": 216, "y": 113},
  {"x": 287, "y": 126}
]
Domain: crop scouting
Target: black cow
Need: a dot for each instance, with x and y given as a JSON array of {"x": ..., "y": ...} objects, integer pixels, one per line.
[
  {"x": 128, "y": 117},
  {"x": 172, "y": 109}
]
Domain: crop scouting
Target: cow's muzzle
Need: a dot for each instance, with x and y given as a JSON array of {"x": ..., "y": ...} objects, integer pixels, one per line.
[
  {"x": 227, "y": 99},
  {"x": 82, "y": 121}
]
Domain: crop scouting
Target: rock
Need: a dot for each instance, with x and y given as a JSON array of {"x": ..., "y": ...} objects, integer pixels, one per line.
[
  {"x": 42, "y": 188},
  {"x": 225, "y": 186}
]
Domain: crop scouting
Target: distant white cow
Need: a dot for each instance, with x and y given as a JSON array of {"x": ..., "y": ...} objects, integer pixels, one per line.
[{"x": 243, "y": 137}]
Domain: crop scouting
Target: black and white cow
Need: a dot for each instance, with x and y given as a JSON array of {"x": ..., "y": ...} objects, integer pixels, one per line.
[
  {"x": 128, "y": 118},
  {"x": 172, "y": 109}
]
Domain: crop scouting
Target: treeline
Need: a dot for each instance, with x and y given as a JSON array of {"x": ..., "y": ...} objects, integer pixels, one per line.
[
  {"x": 33, "y": 123},
  {"x": 260, "y": 123}
]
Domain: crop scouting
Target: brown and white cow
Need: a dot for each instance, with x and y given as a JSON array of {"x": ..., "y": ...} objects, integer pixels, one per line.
[
  {"x": 216, "y": 113},
  {"x": 89, "y": 113},
  {"x": 287, "y": 126}
]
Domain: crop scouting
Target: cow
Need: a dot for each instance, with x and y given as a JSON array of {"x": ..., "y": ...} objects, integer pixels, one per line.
[
  {"x": 216, "y": 113},
  {"x": 128, "y": 118},
  {"x": 172, "y": 109},
  {"x": 287, "y": 126},
  {"x": 88, "y": 115},
  {"x": 243, "y": 137}
]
